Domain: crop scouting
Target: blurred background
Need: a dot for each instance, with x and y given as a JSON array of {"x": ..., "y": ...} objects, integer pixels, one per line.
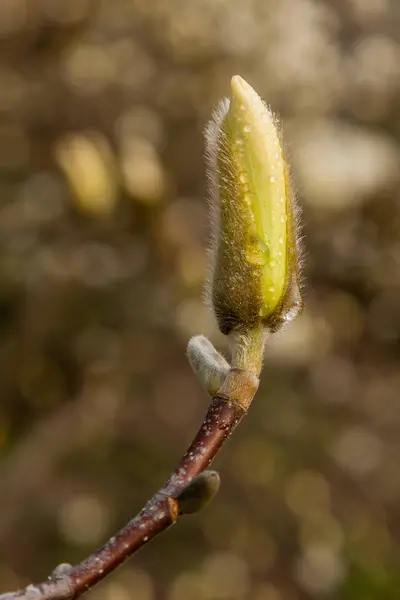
[{"x": 103, "y": 230}]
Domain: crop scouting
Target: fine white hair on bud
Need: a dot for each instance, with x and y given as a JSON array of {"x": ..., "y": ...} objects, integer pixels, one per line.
[
  {"x": 207, "y": 363},
  {"x": 254, "y": 270}
]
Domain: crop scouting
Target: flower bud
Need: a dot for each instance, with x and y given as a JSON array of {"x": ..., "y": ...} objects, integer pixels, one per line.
[
  {"x": 208, "y": 364},
  {"x": 198, "y": 492},
  {"x": 254, "y": 278}
]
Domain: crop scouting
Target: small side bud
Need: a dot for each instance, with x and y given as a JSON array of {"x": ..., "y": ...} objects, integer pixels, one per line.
[
  {"x": 61, "y": 570},
  {"x": 255, "y": 266},
  {"x": 207, "y": 363},
  {"x": 198, "y": 492}
]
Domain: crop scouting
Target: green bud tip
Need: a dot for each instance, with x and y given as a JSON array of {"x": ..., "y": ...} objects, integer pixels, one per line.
[{"x": 254, "y": 279}]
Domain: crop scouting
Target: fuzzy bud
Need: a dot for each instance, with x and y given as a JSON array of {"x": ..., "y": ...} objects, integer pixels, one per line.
[
  {"x": 207, "y": 363},
  {"x": 254, "y": 278},
  {"x": 198, "y": 492}
]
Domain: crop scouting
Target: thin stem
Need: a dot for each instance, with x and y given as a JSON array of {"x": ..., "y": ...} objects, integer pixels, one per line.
[
  {"x": 242, "y": 381},
  {"x": 161, "y": 511},
  {"x": 248, "y": 350}
]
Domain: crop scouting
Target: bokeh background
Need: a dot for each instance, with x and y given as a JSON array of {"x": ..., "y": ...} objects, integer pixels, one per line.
[{"x": 103, "y": 229}]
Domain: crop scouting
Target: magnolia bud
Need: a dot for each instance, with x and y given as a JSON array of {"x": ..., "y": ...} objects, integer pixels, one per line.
[
  {"x": 254, "y": 278},
  {"x": 198, "y": 492},
  {"x": 210, "y": 367}
]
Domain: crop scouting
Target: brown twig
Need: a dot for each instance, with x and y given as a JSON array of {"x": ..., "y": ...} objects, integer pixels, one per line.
[
  {"x": 249, "y": 302},
  {"x": 161, "y": 511}
]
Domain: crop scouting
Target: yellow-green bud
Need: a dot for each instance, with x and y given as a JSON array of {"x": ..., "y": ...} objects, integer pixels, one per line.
[{"x": 255, "y": 261}]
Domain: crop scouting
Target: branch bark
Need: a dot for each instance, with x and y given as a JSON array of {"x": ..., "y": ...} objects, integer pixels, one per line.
[
  {"x": 161, "y": 511},
  {"x": 256, "y": 225}
]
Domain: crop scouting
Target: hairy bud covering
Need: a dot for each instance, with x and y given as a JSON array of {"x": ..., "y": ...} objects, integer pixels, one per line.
[{"x": 254, "y": 279}]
